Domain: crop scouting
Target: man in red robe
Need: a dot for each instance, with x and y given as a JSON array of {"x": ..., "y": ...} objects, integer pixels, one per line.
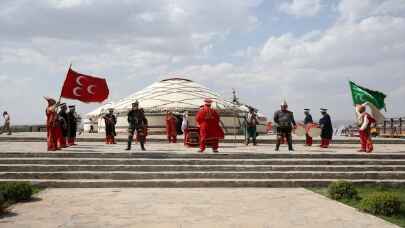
[
  {"x": 52, "y": 125},
  {"x": 365, "y": 120},
  {"x": 210, "y": 131},
  {"x": 171, "y": 127}
]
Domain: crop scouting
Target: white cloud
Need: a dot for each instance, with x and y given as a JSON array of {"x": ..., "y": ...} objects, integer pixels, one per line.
[
  {"x": 301, "y": 8},
  {"x": 313, "y": 69},
  {"x": 220, "y": 45},
  {"x": 370, "y": 41},
  {"x": 68, "y": 3},
  {"x": 353, "y": 11}
]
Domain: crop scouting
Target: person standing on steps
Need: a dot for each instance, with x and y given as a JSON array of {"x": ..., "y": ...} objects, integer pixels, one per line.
[
  {"x": 63, "y": 124},
  {"x": 325, "y": 124},
  {"x": 52, "y": 124},
  {"x": 7, "y": 124},
  {"x": 72, "y": 125},
  {"x": 307, "y": 122},
  {"x": 365, "y": 121},
  {"x": 251, "y": 126},
  {"x": 210, "y": 131},
  {"x": 110, "y": 121},
  {"x": 184, "y": 126},
  {"x": 284, "y": 121},
  {"x": 171, "y": 127},
  {"x": 137, "y": 123}
]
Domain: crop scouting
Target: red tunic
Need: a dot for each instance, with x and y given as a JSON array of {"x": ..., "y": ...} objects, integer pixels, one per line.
[
  {"x": 208, "y": 120},
  {"x": 52, "y": 127},
  {"x": 171, "y": 126}
]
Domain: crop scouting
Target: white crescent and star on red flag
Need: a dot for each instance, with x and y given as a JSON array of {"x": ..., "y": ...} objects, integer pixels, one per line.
[
  {"x": 85, "y": 88},
  {"x": 79, "y": 87}
]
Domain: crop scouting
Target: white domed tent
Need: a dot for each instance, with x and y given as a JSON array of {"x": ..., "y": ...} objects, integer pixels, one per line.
[{"x": 176, "y": 95}]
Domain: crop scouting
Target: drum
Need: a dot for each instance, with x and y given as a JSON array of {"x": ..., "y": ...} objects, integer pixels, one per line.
[
  {"x": 300, "y": 130},
  {"x": 314, "y": 130},
  {"x": 193, "y": 137}
]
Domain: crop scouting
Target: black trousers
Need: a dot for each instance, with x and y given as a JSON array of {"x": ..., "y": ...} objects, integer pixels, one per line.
[
  {"x": 131, "y": 133},
  {"x": 251, "y": 133},
  {"x": 284, "y": 133}
]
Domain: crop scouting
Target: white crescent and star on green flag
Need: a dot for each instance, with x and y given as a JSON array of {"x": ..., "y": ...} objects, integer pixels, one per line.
[{"x": 362, "y": 95}]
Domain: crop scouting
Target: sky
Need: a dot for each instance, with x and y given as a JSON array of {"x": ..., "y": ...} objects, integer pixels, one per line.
[{"x": 303, "y": 51}]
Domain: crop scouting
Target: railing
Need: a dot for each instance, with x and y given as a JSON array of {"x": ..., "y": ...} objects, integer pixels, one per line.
[{"x": 392, "y": 127}]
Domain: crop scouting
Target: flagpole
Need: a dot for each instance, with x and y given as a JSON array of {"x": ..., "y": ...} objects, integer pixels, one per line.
[
  {"x": 60, "y": 96},
  {"x": 351, "y": 92}
]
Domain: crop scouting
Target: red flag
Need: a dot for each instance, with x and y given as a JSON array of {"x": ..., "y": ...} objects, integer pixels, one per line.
[{"x": 84, "y": 88}]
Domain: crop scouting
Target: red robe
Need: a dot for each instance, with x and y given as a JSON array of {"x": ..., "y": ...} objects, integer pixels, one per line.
[
  {"x": 208, "y": 120},
  {"x": 52, "y": 128},
  {"x": 365, "y": 135},
  {"x": 171, "y": 130}
]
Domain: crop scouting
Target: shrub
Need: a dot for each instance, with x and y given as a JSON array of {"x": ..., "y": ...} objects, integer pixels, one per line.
[
  {"x": 342, "y": 190},
  {"x": 2, "y": 203},
  {"x": 17, "y": 191},
  {"x": 381, "y": 203}
]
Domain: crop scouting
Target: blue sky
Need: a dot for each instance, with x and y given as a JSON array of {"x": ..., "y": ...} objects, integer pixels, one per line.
[{"x": 303, "y": 51}]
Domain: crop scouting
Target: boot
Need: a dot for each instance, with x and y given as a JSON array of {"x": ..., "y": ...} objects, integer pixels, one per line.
[
  {"x": 277, "y": 145},
  {"x": 129, "y": 143},
  {"x": 142, "y": 145}
]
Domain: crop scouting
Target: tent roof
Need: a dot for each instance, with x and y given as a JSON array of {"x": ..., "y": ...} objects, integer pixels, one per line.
[{"x": 174, "y": 94}]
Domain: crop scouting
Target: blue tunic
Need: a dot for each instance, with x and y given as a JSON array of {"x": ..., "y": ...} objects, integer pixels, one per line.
[
  {"x": 326, "y": 126},
  {"x": 308, "y": 119}
]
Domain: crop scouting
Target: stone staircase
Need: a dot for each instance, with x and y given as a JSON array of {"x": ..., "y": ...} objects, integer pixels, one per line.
[{"x": 157, "y": 169}]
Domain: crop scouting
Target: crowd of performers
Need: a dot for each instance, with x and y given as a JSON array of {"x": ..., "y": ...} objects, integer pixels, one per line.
[
  {"x": 62, "y": 126},
  {"x": 285, "y": 124}
]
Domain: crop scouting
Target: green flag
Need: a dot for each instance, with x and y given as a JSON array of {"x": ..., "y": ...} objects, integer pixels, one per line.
[{"x": 362, "y": 95}]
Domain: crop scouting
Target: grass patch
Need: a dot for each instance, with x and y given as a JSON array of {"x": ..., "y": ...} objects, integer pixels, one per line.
[
  {"x": 14, "y": 192},
  {"x": 367, "y": 191}
]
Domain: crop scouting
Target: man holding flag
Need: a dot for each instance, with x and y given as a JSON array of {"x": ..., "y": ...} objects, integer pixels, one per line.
[
  {"x": 375, "y": 100},
  {"x": 365, "y": 121},
  {"x": 80, "y": 87}
]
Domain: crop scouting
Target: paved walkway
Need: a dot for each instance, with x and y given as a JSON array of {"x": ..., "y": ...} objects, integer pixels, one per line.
[{"x": 178, "y": 208}]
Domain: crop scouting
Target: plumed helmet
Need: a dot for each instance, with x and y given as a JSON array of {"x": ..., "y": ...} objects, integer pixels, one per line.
[
  {"x": 284, "y": 103},
  {"x": 50, "y": 100},
  {"x": 208, "y": 101}
]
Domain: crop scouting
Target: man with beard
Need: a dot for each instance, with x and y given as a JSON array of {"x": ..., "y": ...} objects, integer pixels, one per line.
[
  {"x": 137, "y": 123},
  {"x": 110, "y": 121},
  {"x": 284, "y": 121}
]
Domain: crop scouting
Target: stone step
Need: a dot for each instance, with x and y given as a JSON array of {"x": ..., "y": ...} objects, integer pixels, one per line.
[
  {"x": 152, "y": 139},
  {"x": 204, "y": 175},
  {"x": 199, "y": 183},
  {"x": 162, "y": 155},
  {"x": 158, "y": 161},
  {"x": 205, "y": 168}
]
